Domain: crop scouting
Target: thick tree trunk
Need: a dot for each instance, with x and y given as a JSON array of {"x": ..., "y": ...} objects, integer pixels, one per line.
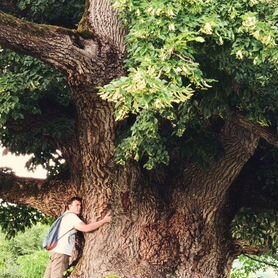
[
  {"x": 148, "y": 240},
  {"x": 185, "y": 234}
]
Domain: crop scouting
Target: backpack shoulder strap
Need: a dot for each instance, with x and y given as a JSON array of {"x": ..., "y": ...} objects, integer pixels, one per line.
[{"x": 61, "y": 221}]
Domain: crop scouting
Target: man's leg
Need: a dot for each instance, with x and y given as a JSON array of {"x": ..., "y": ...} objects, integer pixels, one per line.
[
  {"x": 59, "y": 264},
  {"x": 48, "y": 270}
]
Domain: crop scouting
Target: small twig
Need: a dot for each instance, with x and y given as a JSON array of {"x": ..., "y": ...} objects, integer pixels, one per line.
[{"x": 261, "y": 261}]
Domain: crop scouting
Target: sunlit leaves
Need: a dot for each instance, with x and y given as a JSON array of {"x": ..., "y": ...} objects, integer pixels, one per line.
[
  {"x": 145, "y": 91},
  {"x": 182, "y": 50},
  {"x": 163, "y": 70},
  {"x": 246, "y": 266}
]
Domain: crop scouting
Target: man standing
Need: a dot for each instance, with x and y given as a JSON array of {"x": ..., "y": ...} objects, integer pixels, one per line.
[{"x": 70, "y": 224}]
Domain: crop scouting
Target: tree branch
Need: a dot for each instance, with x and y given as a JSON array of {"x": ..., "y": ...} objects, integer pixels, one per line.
[
  {"x": 59, "y": 47},
  {"x": 262, "y": 261},
  {"x": 239, "y": 138},
  {"x": 209, "y": 186},
  {"x": 46, "y": 196},
  {"x": 101, "y": 20},
  {"x": 246, "y": 248},
  {"x": 265, "y": 133}
]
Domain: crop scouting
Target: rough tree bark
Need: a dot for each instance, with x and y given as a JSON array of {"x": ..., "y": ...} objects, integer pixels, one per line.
[{"x": 186, "y": 233}]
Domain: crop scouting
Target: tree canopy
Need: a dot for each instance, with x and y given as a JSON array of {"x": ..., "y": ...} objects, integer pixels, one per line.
[{"x": 189, "y": 61}]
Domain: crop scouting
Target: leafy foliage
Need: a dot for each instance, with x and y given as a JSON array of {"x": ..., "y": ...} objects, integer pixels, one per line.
[
  {"x": 245, "y": 266},
  {"x": 258, "y": 229},
  {"x": 27, "y": 267},
  {"x": 27, "y": 89},
  {"x": 257, "y": 224},
  {"x": 64, "y": 12},
  {"x": 15, "y": 218},
  {"x": 17, "y": 255},
  {"x": 189, "y": 61}
]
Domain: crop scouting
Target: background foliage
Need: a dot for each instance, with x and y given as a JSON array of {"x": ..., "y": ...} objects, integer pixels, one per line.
[
  {"x": 247, "y": 267},
  {"x": 22, "y": 256},
  {"x": 15, "y": 218}
]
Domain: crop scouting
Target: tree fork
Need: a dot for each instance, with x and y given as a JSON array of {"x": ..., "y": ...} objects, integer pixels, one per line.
[{"x": 101, "y": 20}]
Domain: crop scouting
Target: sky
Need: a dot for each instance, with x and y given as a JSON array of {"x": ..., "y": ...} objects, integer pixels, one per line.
[{"x": 17, "y": 163}]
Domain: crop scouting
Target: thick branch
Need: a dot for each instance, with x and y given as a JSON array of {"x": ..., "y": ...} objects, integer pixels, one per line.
[
  {"x": 46, "y": 196},
  {"x": 262, "y": 261},
  {"x": 265, "y": 133},
  {"x": 57, "y": 46},
  {"x": 102, "y": 20},
  {"x": 245, "y": 248},
  {"x": 209, "y": 186}
]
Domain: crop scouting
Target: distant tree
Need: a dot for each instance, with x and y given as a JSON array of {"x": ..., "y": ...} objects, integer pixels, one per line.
[{"x": 169, "y": 119}]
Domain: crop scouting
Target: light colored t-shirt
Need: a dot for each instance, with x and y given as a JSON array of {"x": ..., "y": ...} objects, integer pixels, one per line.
[{"x": 67, "y": 234}]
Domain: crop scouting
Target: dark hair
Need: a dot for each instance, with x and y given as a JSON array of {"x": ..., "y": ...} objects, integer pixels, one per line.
[{"x": 71, "y": 200}]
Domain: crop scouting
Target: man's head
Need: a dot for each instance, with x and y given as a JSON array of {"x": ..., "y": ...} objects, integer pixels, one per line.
[{"x": 74, "y": 205}]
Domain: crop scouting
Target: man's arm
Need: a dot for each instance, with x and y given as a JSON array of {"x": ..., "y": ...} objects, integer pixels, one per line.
[{"x": 94, "y": 225}]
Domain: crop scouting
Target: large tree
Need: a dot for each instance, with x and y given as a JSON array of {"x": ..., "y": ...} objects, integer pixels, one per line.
[{"x": 165, "y": 104}]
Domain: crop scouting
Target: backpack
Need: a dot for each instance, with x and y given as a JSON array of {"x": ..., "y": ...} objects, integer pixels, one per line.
[{"x": 51, "y": 239}]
